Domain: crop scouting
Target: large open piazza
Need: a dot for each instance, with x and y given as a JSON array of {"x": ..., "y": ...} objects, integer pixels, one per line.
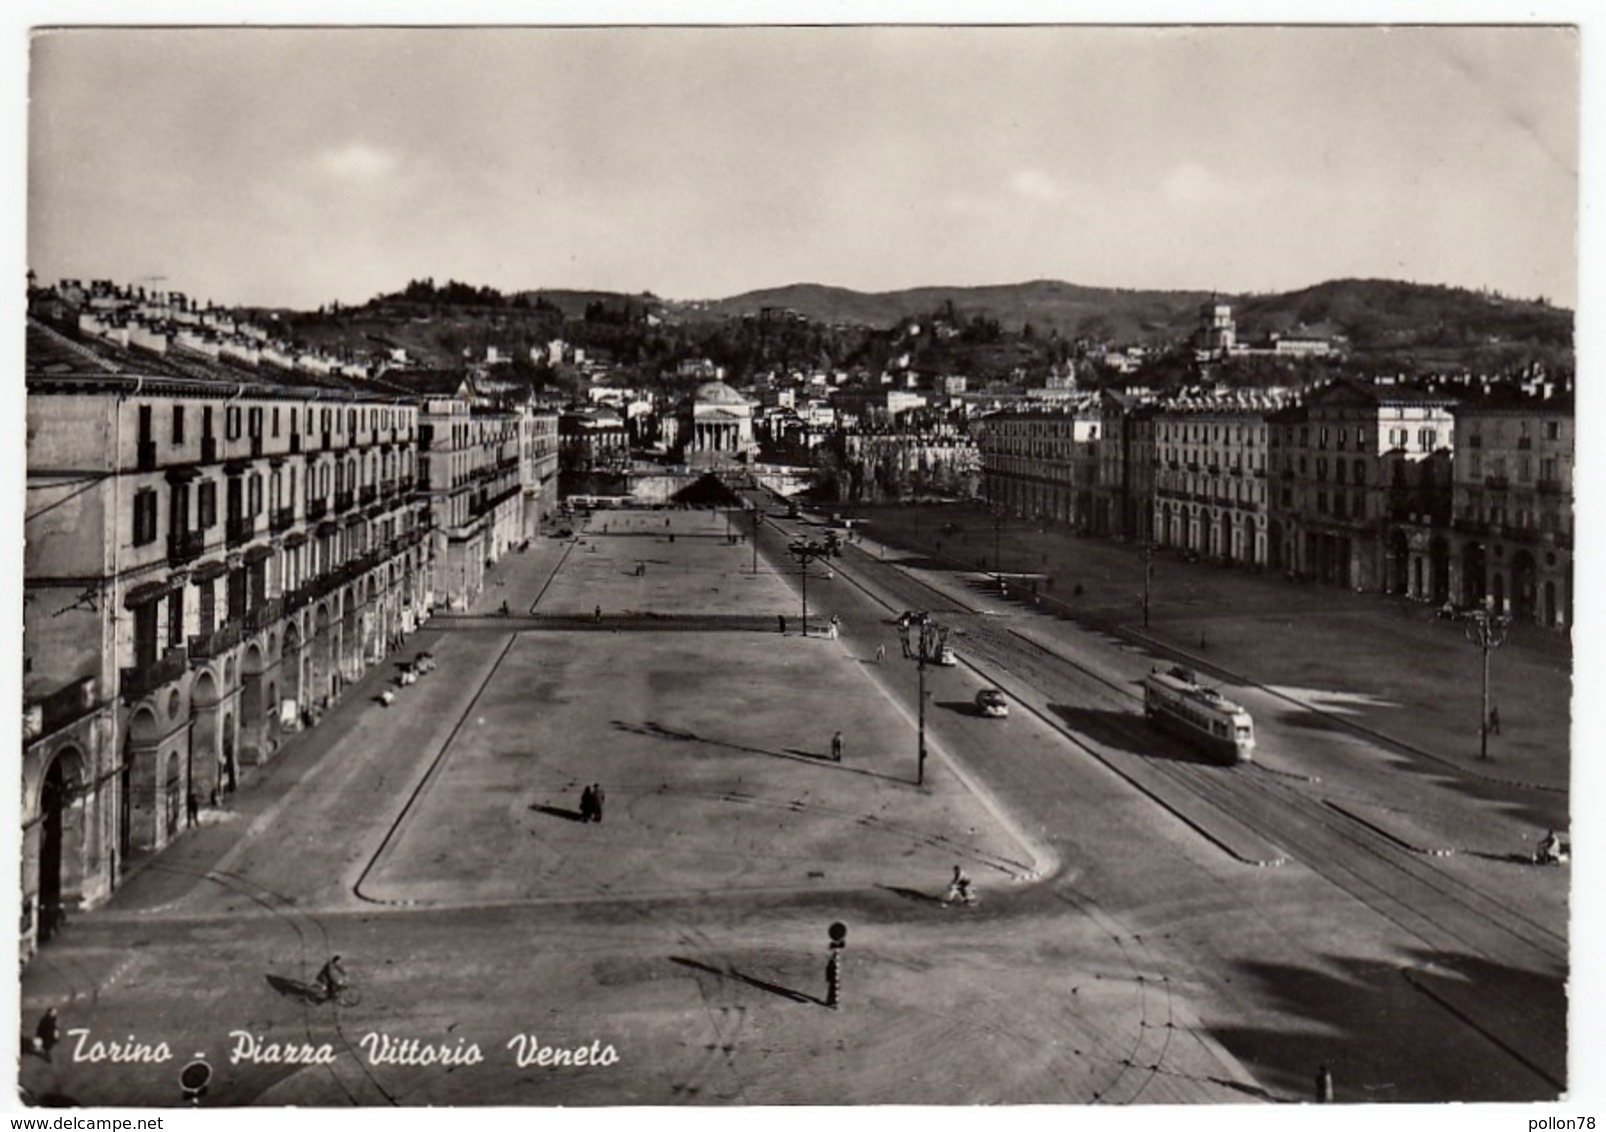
[{"x": 1131, "y": 942}]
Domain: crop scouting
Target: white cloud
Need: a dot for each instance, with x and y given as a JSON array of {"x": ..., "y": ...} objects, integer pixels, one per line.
[
  {"x": 1034, "y": 185},
  {"x": 356, "y": 162},
  {"x": 1192, "y": 184}
]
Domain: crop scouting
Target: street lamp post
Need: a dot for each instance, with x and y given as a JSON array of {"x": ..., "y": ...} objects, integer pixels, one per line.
[
  {"x": 1148, "y": 576},
  {"x": 1486, "y": 629},
  {"x": 998, "y": 523},
  {"x": 758, "y": 519},
  {"x": 806, "y": 552},
  {"x": 930, "y": 642}
]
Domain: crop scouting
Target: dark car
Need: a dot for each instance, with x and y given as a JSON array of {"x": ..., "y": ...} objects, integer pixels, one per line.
[{"x": 992, "y": 703}]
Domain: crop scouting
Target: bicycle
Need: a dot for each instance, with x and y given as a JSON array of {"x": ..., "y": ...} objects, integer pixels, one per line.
[{"x": 342, "y": 995}]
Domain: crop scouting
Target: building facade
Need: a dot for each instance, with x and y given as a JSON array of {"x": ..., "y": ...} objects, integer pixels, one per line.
[
  {"x": 213, "y": 554},
  {"x": 1512, "y": 539},
  {"x": 1210, "y": 489}
]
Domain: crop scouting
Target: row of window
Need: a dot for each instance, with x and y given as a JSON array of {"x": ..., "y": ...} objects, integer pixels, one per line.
[{"x": 246, "y": 420}]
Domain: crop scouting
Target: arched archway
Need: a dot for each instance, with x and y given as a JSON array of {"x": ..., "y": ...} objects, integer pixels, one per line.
[
  {"x": 290, "y": 666},
  {"x": 254, "y": 709},
  {"x": 60, "y": 833},
  {"x": 1399, "y": 563},
  {"x": 173, "y": 794},
  {"x": 201, "y": 772},
  {"x": 323, "y": 642},
  {"x": 229, "y": 767},
  {"x": 1439, "y": 569},
  {"x": 1474, "y": 583},
  {"x": 1524, "y": 586}
]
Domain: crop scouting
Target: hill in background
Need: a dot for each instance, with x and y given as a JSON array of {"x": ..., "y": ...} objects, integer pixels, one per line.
[{"x": 994, "y": 331}]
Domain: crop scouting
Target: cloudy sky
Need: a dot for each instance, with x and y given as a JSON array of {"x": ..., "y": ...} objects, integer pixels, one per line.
[{"x": 298, "y": 167}]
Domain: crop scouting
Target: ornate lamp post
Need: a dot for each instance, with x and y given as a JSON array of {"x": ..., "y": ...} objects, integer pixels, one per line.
[{"x": 1486, "y": 629}]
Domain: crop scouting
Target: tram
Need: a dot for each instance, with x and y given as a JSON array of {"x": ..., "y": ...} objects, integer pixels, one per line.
[{"x": 1175, "y": 699}]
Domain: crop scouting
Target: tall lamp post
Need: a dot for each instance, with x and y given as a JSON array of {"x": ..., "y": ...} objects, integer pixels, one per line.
[
  {"x": 806, "y": 552},
  {"x": 1486, "y": 629},
  {"x": 928, "y": 646},
  {"x": 998, "y": 523},
  {"x": 1148, "y": 577}
]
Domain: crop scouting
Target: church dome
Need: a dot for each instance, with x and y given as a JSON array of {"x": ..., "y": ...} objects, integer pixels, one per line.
[{"x": 717, "y": 393}]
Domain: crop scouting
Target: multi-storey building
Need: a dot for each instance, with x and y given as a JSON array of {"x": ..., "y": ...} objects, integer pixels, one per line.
[
  {"x": 538, "y": 465},
  {"x": 1335, "y": 490},
  {"x": 213, "y": 552},
  {"x": 1030, "y": 461},
  {"x": 1139, "y": 466},
  {"x": 1210, "y": 493},
  {"x": 1512, "y": 537},
  {"x": 469, "y": 467}
]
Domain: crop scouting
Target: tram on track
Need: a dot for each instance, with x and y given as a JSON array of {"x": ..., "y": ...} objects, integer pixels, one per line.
[{"x": 1176, "y": 700}]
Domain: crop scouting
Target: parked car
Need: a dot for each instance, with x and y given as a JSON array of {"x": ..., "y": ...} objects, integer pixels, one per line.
[
  {"x": 946, "y": 657},
  {"x": 991, "y": 703}
]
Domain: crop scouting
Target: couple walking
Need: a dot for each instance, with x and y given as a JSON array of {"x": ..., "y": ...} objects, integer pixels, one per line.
[{"x": 591, "y": 799}]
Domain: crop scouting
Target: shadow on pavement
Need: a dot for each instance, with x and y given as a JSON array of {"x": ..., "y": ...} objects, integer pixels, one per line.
[
  {"x": 556, "y": 812},
  {"x": 912, "y": 894},
  {"x": 658, "y": 731},
  {"x": 1125, "y": 731},
  {"x": 1365, "y": 1021},
  {"x": 731, "y": 973}
]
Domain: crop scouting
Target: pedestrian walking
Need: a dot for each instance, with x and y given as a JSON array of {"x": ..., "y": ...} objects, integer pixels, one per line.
[
  {"x": 47, "y": 1033},
  {"x": 1494, "y": 721},
  {"x": 836, "y": 747},
  {"x": 192, "y": 807},
  {"x": 597, "y": 798},
  {"x": 588, "y": 804},
  {"x": 880, "y": 653},
  {"x": 780, "y": 621},
  {"x": 598, "y": 614}
]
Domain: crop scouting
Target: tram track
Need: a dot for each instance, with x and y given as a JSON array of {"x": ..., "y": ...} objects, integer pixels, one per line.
[{"x": 1446, "y": 915}]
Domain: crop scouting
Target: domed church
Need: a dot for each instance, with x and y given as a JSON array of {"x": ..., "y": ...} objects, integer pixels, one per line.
[{"x": 714, "y": 427}]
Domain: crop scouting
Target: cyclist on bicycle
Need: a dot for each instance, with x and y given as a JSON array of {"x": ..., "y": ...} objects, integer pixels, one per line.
[{"x": 332, "y": 979}]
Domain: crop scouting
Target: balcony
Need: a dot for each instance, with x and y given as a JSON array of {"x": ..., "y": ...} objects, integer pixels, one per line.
[
  {"x": 1498, "y": 483},
  {"x": 185, "y": 546},
  {"x": 282, "y": 519},
  {"x": 1548, "y": 486},
  {"x": 205, "y": 646},
  {"x": 367, "y": 495},
  {"x": 61, "y": 708},
  {"x": 240, "y": 529},
  {"x": 146, "y": 456},
  {"x": 343, "y": 501},
  {"x": 208, "y": 449},
  {"x": 143, "y": 679},
  {"x": 1524, "y": 443},
  {"x": 317, "y": 509},
  {"x": 264, "y": 615}
]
